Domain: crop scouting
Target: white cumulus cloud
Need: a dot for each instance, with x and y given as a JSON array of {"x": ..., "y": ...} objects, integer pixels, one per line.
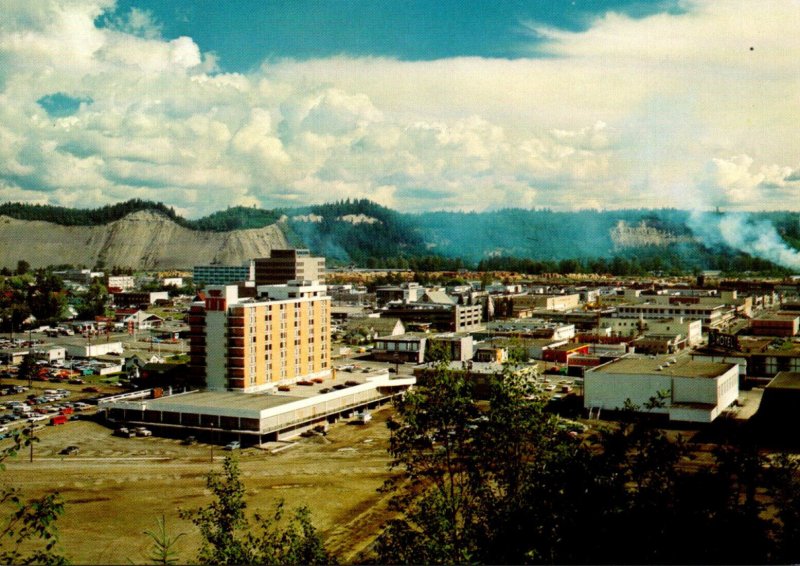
[{"x": 665, "y": 110}]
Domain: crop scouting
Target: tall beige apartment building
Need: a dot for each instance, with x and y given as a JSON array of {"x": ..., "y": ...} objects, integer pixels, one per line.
[{"x": 250, "y": 345}]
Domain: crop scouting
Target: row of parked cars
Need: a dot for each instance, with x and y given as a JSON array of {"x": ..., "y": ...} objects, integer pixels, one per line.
[
  {"x": 126, "y": 432},
  {"x": 339, "y": 386},
  {"x": 41, "y": 407}
]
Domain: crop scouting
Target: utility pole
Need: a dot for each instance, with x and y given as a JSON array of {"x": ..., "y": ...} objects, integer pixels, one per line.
[{"x": 31, "y": 352}]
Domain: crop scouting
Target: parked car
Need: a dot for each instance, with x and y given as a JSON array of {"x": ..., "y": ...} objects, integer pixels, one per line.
[
  {"x": 142, "y": 431},
  {"x": 69, "y": 450},
  {"x": 189, "y": 440},
  {"x": 233, "y": 445},
  {"x": 124, "y": 432}
]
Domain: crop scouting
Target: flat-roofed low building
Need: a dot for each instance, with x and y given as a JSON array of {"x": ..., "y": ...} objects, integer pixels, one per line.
[
  {"x": 219, "y": 416},
  {"x": 444, "y": 317},
  {"x": 80, "y": 348},
  {"x": 780, "y": 404},
  {"x": 711, "y": 315},
  {"x": 547, "y": 302},
  {"x": 138, "y": 298},
  {"x": 456, "y": 346},
  {"x": 692, "y": 330},
  {"x": 121, "y": 282},
  {"x": 695, "y": 391},
  {"x": 562, "y": 354},
  {"x": 529, "y": 328},
  {"x": 783, "y": 325},
  {"x": 408, "y": 347},
  {"x": 659, "y": 343}
]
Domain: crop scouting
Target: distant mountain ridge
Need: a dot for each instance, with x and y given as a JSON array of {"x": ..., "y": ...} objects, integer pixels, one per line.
[{"x": 142, "y": 234}]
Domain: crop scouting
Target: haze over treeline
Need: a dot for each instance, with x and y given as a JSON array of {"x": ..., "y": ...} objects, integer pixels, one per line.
[{"x": 532, "y": 241}]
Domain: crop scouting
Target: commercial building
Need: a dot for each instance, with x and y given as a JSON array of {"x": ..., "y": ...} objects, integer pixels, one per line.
[
  {"x": 250, "y": 345},
  {"x": 81, "y": 348},
  {"x": 711, "y": 316},
  {"x": 220, "y": 416},
  {"x": 223, "y": 274},
  {"x": 696, "y": 391},
  {"x": 447, "y": 318},
  {"x": 691, "y": 330},
  {"x": 783, "y": 325},
  {"x": 529, "y": 328},
  {"x": 406, "y": 292},
  {"x": 121, "y": 282},
  {"x": 547, "y": 302},
  {"x": 139, "y": 298},
  {"x": 283, "y": 266},
  {"x": 408, "y": 347}
]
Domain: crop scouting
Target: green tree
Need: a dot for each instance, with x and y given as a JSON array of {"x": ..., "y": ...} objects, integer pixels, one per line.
[
  {"x": 28, "y": 531},
  {"x": 230, "y": 538},
  {"x": 47, "y": 297},
  {"x": 466, "y": 466},
  {"x": 94, "y": 300},
  {"x": 23, "y": 267},
  {"x": 163, "y": 549},
  {"x": 433, "y": 446},
  {"x": 27, "y": 369}
]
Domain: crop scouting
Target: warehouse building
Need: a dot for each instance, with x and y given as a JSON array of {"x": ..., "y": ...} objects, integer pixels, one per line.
[
  {"x": 219, "y": 416},
  {"x": 695, "y": 391}
]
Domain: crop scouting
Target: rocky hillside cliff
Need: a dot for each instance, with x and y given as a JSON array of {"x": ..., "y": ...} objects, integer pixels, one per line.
[
  {"x": 142, "y": 240},
  {"x": 625, "y": 235}
]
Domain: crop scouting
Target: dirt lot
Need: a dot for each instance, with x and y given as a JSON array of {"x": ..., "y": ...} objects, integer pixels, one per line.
[{"x": 116, "y": 488}]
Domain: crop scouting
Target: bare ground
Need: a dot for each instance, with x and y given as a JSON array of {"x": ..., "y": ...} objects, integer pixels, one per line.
[{"x": 116, "y": 488}]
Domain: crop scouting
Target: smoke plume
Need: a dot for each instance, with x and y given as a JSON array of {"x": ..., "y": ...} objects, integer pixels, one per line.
[{"x": 744, "y": 233}]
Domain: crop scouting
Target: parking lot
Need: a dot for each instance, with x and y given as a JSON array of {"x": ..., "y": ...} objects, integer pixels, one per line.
[{"x": 115, "y": 488}]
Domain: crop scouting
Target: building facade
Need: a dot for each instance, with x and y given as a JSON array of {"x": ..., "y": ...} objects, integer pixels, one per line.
[
  {"x": 253, "y": 345},
  {"x": 223, "y": 274},
  {"x": 696, "y": 391},
  {"x": 283, "y": 266}
]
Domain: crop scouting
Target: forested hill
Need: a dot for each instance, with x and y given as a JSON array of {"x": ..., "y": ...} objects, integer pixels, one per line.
[
  {"x": 367, "y": 234},
  {"x": 235, "y": 218}
]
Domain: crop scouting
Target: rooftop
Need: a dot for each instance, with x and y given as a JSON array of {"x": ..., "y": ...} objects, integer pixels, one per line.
[
  {"x": 785, "y": 380},
  {"x": 670, "y": 365}
]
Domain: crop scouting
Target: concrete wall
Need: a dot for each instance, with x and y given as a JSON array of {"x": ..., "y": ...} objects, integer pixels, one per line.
[{"x": 609, "y": 391}]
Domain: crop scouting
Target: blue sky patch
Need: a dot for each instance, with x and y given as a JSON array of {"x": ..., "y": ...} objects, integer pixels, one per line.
[
  {"x": 60, "y": 105},
  {"x": 244, "y": 33}
]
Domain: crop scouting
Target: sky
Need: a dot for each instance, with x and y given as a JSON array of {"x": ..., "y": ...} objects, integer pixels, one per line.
[{"x": 417, "y": 105}]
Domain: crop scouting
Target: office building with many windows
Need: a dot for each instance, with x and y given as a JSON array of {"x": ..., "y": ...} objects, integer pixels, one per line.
[{"x": 283, "y": 266}]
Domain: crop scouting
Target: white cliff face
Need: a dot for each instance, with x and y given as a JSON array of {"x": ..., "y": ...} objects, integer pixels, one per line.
[
  {"x": 624, "y": 235},
  {"x": 142, "y": 240}
]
